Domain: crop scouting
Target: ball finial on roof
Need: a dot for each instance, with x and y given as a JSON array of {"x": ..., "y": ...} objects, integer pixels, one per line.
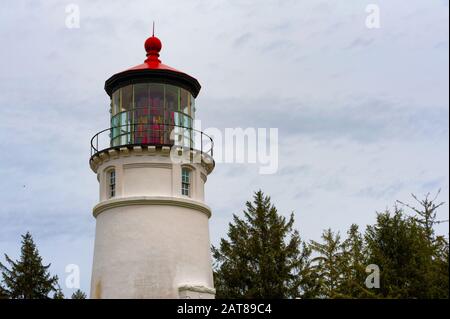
[{"x": 153, "y": 46}]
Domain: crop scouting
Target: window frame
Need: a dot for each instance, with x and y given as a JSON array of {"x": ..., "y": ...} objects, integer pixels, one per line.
[
  {"x": 186, "y": 185},
  {"x": 112, "y": 182}
]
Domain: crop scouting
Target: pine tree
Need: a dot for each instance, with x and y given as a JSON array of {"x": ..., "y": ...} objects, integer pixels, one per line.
[
  {"x": 328, "y": 263},
  {"x": 263, "y": 256},
  {"x": 353, "y": 265},
  {"x": 399, "y": 246},
  {"x": 28, "y": 278},
  {"x": 435, "y": 256},
  {"x": 58, "y": 294},
  {"x": 309, "y": 280},
  {"x": 78, "y": 294}
]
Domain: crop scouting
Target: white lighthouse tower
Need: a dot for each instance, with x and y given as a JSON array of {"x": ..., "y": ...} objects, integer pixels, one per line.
[{"x": 152, "y": 236}]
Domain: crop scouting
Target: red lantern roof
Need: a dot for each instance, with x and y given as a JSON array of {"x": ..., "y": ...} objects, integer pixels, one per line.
[{"x": 152, "y": 70}]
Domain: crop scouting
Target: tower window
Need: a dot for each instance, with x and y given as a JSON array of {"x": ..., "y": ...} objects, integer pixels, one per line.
[
  {"x": 185, "y": 181},
  {"x": 112, "y": 183}
]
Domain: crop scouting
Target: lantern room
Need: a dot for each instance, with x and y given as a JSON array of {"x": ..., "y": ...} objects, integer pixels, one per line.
[{"x": 152, "y": 104}]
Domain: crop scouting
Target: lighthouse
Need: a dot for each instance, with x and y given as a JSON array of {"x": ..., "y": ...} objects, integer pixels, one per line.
[{"x": 152, "y": 223}]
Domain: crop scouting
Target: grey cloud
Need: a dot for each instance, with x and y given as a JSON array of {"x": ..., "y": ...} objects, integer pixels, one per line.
[
  {"x": 433, "y": 184},
  {"x": 281, "y": 27},
  {"x": 381, "y": 192},
  {"x": 363, "y": 120},
  {"x": 242, "y": 39},
  {"x": 360, "y": 42}
]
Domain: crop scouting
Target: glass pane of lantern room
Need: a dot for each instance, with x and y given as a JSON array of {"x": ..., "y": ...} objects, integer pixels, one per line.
[
  {"x": 192, "y": 105},
  {"x": 186, "y": 122},
  {"x": 141, "y": 95},
  {"x": 142, "y": 103},
  {"x": 123, "y": 118},
  {"x": 115, "y": 101},
  {"x": 141, "y": 111},
  {"x": 115, "y": 124},
  {"x": 157, "y": 102},
  {"x": 184, "y": 102},
  {"x": 171, "y": 103},
  {"x": 157, "y": 127},
  {"x": 125, "y": 128},
  {"x": 115, "y": 130},
  {"x": 127, "y": 98}
]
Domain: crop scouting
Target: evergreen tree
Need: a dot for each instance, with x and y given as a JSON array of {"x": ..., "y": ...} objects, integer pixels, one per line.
[
  {"x": 28, "y": 278},
  {"x": 353, "y": 265},
  {"x": 78, "y": 294},
  {"x": 435, "y": 256},
  {"x": 58, "y": 294},
  {"x": 263, "y": 256},
  {"x": 399, "y": 246},
  {"x": 328, "y": 263},
  {"x": 309, "y": 284}
]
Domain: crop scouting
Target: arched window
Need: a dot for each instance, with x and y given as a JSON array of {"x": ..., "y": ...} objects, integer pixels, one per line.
[
  {"x": 185, "y": 181},
  {"x": 111, "y": 183}
]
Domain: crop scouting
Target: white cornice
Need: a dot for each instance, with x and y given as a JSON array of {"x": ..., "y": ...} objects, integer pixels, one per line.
[
  {"x": 201, "y": 289},
  {"x": 104, "y": 156},
  {"x": 151, "y": 200}
]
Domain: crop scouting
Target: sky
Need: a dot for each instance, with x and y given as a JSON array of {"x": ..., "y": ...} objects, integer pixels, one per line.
[{"x": 362, "y": 113}]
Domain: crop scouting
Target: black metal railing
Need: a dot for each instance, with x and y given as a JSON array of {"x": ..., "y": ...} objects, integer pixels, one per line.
[{"x": 145, "y": 134}]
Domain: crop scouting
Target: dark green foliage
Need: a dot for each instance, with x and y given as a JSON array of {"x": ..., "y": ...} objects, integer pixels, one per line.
[
  {"x": 256, "y": 262},
  {"x": 413, "y": 262},
  {"x": 27, "y": 278},
  {"x": 328, "y": 263},
  {"x": 439, "y": 270},
  {"x": 58, "y": 294},
  {"x": 353, "y": 266},
  {"x": 398, "y": 245},
  {"x": 3, "y": 293},
  {"x": 263, "y": 257},
  {"x": 78, "y": 294}
]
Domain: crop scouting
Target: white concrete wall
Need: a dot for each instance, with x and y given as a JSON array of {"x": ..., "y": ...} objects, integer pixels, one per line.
[
  {"x": 150, "y": 251},
  {"x": 150, "y": 175},
  {"x": 144, "y": 249}
]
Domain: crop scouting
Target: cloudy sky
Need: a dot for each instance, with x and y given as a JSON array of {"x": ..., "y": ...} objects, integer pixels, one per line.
[{"x": 362, "y": 113}]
